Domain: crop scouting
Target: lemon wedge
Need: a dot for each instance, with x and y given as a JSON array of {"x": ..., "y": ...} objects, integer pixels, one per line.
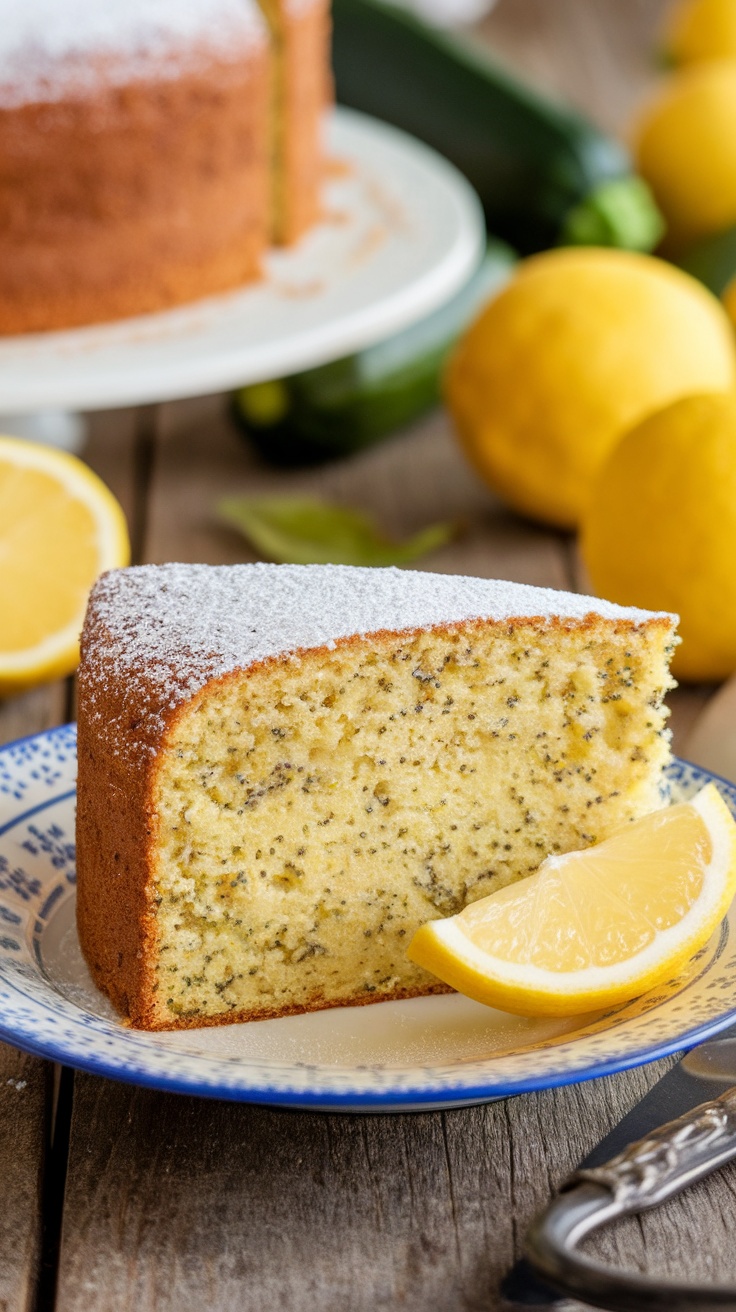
[
  {"x": 59, "y": 528},
  {"x": 595, "y": 927}
]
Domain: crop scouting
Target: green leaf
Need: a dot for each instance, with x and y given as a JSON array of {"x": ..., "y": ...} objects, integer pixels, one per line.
[{"x": 304, "y": 531}]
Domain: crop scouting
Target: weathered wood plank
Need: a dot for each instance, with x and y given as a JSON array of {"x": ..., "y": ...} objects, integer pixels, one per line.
[
  {"x": 111, "y": 450},
  {"x": 25, "y": 1105},
  {"x": 600, "y": 55},
  {"x": 409, "y": 481},
  {"x": 686, "y": 704},
  {"x": 175, "y": 1204},
  {"x": 33, "y": 711}
]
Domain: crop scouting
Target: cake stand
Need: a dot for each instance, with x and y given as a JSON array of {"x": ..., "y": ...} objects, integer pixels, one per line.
[{"x": 401, "y": 232}]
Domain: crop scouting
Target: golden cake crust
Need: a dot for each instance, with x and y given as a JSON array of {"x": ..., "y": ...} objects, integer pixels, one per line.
[{"x": 162, "y": 198}]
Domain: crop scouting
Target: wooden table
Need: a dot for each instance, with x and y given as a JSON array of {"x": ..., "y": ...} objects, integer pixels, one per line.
[{"x": 117, "y": 1199}]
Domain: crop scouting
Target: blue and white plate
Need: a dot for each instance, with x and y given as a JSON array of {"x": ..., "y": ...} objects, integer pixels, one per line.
[{"x": 424, "y": 1053}]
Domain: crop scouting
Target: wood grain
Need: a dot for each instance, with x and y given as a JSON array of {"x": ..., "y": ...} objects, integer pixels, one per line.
[
  {"x": 33, "y": 712},
  {"x": 112, "y": 449},
  {"x": 407, "y": 482},
  {"x": 179, "y": 1205},
  {"x": 599, "y": 55},
  {"x": 25, "y": 1114}
]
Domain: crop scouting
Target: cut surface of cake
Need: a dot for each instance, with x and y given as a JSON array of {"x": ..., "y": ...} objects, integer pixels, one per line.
[
  {"x": 285, "y": 770},
  {"x": 140, "y": 143}
]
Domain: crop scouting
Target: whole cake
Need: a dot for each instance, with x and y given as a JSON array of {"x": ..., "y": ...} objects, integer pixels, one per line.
[
  {"x": 285, "y": 770},
  {"x": 151, "y": 149}
]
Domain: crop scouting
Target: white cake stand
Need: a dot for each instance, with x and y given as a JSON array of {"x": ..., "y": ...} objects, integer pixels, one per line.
[{"x": 402, "y": 231}]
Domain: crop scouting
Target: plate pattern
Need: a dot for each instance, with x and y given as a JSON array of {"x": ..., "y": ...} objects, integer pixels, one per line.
[{"x": 39, "y": 1013}]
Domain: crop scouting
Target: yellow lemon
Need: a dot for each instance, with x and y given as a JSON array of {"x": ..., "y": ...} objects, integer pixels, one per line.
[
  {"x": 729, "y": 300},
  {"x": 579, "y": 346},
  {"x": 685, "y": 148},
  {"x": 59, "y": 528},
  {"x": 697, "y": 30},
  {"x": 660, "y": 530},
  {"x": 597, "y": 927}
]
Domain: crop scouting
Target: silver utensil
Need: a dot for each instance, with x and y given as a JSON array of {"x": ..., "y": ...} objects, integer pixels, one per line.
[{"x": 638, "y": 1165}]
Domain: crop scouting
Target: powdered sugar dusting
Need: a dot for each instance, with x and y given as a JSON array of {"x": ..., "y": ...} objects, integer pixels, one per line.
[
  {"x": 162, "y": 631},
  {"x": 50, "y": 49}
]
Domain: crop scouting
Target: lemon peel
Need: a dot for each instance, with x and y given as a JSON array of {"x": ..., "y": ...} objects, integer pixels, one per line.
[
  {"x": 582, "y": 344},
  {"x": 60, "y": 527},
  {"x": 594, "y": 928},
  {"x": 660, "y": 528}
]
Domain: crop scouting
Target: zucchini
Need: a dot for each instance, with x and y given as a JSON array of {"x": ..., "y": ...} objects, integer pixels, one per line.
[
  {"x": 341, "y": 407},
  {"x": 543, "y": 173},
  {"x": 713, "y": 261}
]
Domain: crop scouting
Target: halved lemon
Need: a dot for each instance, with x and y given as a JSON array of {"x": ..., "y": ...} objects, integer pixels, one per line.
[
  {"x": 595, "y": 927},
  {"x": 60, "y": 527}
]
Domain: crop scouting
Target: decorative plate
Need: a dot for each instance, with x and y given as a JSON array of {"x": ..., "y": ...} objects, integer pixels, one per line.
[
  {"x": 425, "y": 1053},
  {"x": 402, "y": 231}
]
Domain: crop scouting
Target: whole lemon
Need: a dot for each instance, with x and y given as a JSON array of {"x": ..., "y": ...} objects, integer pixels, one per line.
[
  {"x": 580, "y": 345},
  {"x": 660, "y": 529},
  {"x": 701, "y": 29},
  {"x": 685, "y": 148}
]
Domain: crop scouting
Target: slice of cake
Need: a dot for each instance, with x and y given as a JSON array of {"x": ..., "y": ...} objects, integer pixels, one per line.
[{"x": 285, "y": 770}]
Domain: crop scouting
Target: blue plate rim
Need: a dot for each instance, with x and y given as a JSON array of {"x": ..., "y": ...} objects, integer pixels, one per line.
[{"x": 387, "y": 1099}]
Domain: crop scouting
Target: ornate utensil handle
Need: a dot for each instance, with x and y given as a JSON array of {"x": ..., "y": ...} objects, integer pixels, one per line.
[
  {"x": 643, "y": 1175},
  {"x": 670, "y": 1158}
]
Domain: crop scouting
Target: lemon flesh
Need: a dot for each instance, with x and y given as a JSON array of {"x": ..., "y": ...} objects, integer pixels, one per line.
[
  {"x": 60, "y": 527},
  {"x": 596, "y": 927}
]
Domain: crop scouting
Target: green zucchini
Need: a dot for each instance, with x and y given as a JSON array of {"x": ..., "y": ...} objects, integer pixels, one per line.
[
  {"x": 713, "y": 261},
  {"x": 341, "y": 407},
  {"x": 543, "y": 173}
]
